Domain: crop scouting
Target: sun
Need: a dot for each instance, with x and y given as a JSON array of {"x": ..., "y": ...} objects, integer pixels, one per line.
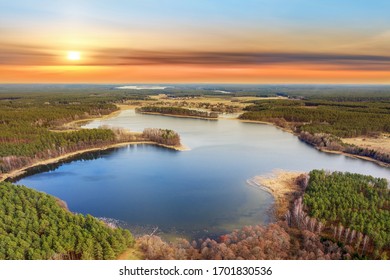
[{"x": 73, "y": 55}]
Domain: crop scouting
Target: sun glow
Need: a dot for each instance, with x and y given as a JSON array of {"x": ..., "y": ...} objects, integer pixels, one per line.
[{"x": 72, "y": 55}]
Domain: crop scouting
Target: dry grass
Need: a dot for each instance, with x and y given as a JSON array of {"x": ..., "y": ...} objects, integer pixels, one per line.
[
  {"x": 380, "y": 144},
  {"x": 131, "y": 254},
  {"x": 282, "y": 185},
  {"x": 232, "y": 101}
]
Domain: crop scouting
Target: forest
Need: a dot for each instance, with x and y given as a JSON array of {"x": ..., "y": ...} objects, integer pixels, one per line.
[
  {"x": 162, "y": 136},
  {"x": 323, "y": 123},
  {"x": 339, "y": 93},
  {"x": 342, "y": 119},
  {"x": 354, "y": 202},
  {"x": 32, "y": 124},
  {"x": 177, "y": 111},
  {"x": 35, "y": 226},
  {"x": 272, "y": 242},
  {"x": 333, "y": 143},
  {"x": 333, "y": 216}
]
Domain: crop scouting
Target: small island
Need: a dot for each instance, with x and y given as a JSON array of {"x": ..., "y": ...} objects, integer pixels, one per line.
[
  {"x": 318, "y": 215},
  {"x": 162, "y": 136},
  {"x": 177, "y": 112}
]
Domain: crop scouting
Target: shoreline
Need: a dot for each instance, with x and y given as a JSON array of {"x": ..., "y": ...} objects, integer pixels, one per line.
[
  {"x": 122, "y": 107},
  {"x": 288, "y": 130},
  {"x": 383, "y": 164},
  {"x": 268, "y": 123},
  {"x": 178, "y": 116},
  {"x": 380, "y": 163},
  {"x": 76, "y": 124},
  {"x": 281, "y": 184},
  {"x": 23, "y": 170}
]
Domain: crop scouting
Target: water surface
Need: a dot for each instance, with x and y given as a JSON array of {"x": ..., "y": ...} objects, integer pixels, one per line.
[{"x": 198, "y": 192}]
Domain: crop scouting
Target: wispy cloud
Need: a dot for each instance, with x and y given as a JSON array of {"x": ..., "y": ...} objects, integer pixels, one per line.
[
  {"x": 16, "y": 54},
  {"x": 32, "y": 55},
  {"x": 251, "y": 58}
]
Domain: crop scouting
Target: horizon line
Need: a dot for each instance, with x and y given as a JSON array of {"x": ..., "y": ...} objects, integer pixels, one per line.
[{"x": 192, "y": 83}]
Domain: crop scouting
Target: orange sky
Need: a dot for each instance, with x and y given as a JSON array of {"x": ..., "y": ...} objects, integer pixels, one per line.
[
  {"x": 191, "y": 74},
  {"x": 195, "y": 41}
]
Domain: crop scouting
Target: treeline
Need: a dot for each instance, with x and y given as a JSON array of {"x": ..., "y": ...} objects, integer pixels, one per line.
[
  {"x": 354, "y": 202},
  {"x": 33, "y": 226},
  {"x": 325, "y": 92},
  {"x": 217, "y": 108},
  {"x": 366, "y": 152},
  {"x": 334, "y": 216},
  {"x": 273, "y": 242},
  {"x": 335, "y": 118},
  {"x": 32, "y": 130},
  {"x": 322, "y": 123},
  {"x": 162, "y": 136},
  {"x": 330, "y": 142},
  {"x": 17, "y": 154},
  {"x": 109, "y": 92},
  {"x": 177, "y": 111},
  {"x": 27, "y": 120}
]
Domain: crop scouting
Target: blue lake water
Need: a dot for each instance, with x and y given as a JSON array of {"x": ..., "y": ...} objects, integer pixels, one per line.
[{"x": 193, "y": 193}]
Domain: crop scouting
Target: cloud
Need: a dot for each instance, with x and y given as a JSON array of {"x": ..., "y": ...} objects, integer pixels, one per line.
[
  {"x": 134, "y": 57},
  {"x": 14, "y": 54},
  {"x": 33, "y": 55}
]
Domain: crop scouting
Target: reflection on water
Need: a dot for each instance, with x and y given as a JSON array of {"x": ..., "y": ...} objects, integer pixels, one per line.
[{"x": 193, "y": 193}]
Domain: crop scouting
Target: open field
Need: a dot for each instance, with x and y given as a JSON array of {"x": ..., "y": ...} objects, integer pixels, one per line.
[{"x": 380, "y": 143}]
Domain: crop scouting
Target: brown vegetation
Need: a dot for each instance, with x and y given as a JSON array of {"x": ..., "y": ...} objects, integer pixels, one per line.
[
  {"x": 283, "y": 185},
  {"x": 380, "y": 143},
  {"x": 273, "y": 242},
  {"x": 162, "y": 136},
  {"x": 329, "y": 142},
  {"x": 295, "y": 236},
  {"x": 177, "y": 111}
]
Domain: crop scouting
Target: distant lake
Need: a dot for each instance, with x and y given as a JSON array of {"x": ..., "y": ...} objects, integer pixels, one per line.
[{"x": 193, "y": 193}]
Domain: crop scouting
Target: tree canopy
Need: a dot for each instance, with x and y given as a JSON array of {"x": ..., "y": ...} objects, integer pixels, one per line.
[
  {"x": 359, "y": 202},
  {"x": 34, "y": 225}
]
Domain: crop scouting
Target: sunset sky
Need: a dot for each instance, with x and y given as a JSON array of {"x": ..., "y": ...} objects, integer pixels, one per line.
[{"x": 167, "y": 41}]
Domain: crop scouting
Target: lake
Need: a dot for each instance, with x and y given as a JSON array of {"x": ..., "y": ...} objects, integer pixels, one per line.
[{"x": 192, "y": 193}]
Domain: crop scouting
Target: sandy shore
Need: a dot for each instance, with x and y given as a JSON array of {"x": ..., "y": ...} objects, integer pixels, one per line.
[
  {"x": 77, "y": 123},
  {"x": 281, "y": 184}
]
